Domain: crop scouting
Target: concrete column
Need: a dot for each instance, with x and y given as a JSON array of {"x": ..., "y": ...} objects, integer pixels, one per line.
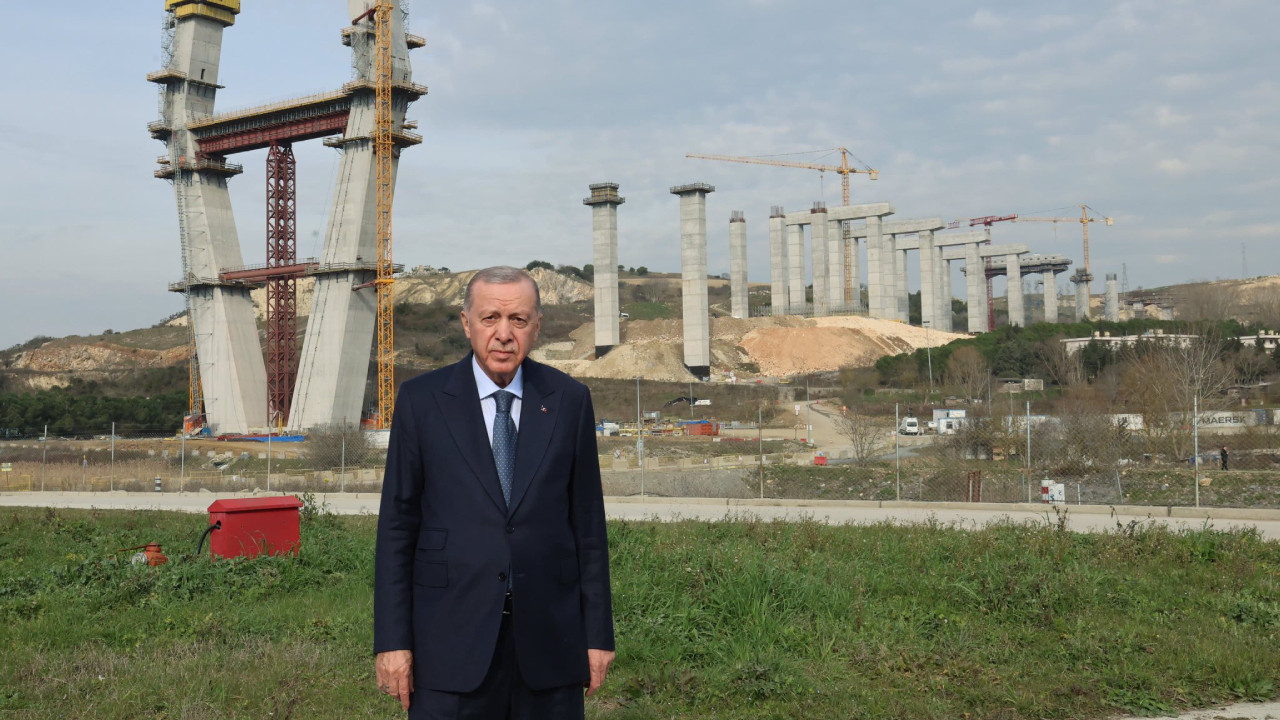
[
  {"x": 795, "y": 258},
  {"x": 1050, "y": 280},
  {"x": 1112, "y": 307},
  {"x": 693, "y": 273},
  {"x": 975, "y": 272},
  {"x": 928, "y": 281},
  {"x": 334, "y": 366},
  {"x": 818, "y": 240},
  {"x": 944, "y": 294},
  {"x": 1082, "y": 301},
  {"x": 835, "y": 266},
  {"x": 854, "y": 281},
  {"x": 900, "y": 282},
  {"x": 1013, "y": 291},
  {"x": 877, "y": 298},
  {"x": 738, "y": 265},
  {"x": 604, "y": 202},
  {"x": 778, "y": 299}
]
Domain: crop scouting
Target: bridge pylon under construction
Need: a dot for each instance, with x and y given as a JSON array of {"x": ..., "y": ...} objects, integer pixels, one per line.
[{"x": 324, "y": 380}]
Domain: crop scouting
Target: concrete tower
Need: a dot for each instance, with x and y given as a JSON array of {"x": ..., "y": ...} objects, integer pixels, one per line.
[
  {"x": 1081, "y": 280},
  {"x": 738, "y": 265},
  {"x": 334, "y": 364},
  {"x": 1013, "y": 290},
  {"x": 835, "y": 265},
  {"x": 1050, "y": 280},
  {"x": 693, "y": 271},
  {"x": 778, "y": 295},
  {"x": 232, "y": 369},
  {"x": 818, "y": 243},
  {"x": 929, "y": 289},
  {"x": 1112, "y": 307},
  {"x": 975, "y": 289},
  {"x": 795, "y": 269},
  {"x": 604, "y": 202}
]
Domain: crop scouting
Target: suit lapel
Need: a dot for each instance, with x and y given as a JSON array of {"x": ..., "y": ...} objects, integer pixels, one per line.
[
  {"x": 538, "y": 419},
  {"x": 460, "y": 405}
]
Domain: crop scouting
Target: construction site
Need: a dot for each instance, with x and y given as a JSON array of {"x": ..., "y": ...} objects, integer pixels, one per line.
[{"x": 842, "y": 300}]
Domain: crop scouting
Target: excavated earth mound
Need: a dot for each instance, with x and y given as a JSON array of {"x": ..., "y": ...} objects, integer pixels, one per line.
[{"x": 779, "y": 346}]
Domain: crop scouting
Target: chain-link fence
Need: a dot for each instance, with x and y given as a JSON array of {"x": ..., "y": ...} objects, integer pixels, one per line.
[
  {"x": 1218, "y": 458},
  {"x": 331, "y": 459}
]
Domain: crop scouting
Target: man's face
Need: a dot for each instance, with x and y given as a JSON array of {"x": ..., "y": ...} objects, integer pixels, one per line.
[{"x": 502, "y": 326}]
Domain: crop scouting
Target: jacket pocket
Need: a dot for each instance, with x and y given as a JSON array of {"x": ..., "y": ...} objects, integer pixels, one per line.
[
  {"x": 431, "y": 574},
  {"x": 432, "y": 538}
]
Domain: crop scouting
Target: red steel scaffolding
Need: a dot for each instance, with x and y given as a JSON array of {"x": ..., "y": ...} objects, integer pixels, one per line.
[{"x": 282, "y": 290}]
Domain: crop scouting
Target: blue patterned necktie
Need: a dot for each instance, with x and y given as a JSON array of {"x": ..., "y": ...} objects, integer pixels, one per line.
[{"x": 504, "y": 442}]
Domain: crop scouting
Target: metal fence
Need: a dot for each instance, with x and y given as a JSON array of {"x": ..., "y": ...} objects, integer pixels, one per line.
[{"x": 1073, "y": 457}]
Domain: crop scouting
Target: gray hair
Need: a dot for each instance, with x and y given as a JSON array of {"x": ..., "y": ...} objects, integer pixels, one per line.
[{"x": 502, "y": 275}]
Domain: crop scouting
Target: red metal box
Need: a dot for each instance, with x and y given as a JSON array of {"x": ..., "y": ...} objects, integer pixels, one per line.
[{"x": 250, "y": 526}]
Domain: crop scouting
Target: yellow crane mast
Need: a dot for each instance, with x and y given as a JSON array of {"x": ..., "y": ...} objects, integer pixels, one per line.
[{"x": 383, "y": 150}]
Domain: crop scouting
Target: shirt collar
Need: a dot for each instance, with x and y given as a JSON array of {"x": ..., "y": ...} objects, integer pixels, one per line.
[{"x": 486, "y": 386}]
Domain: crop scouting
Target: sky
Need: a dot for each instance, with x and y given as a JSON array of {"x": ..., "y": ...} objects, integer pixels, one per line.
[{"x": 1162, "y": 114}]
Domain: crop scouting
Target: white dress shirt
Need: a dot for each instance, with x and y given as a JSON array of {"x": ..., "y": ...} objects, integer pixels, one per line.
[{"x": 488, "y": 405}]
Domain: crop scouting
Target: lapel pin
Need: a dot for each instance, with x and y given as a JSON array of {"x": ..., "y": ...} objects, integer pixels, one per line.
[{"x": 544, "y": 409}]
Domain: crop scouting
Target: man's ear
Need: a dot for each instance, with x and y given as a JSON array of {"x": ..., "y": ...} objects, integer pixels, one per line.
[{"x": 466, "y": 328}]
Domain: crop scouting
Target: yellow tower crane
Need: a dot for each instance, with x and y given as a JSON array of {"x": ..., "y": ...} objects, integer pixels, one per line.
[
  {"x": 844, "y": 169},
  {"x": 383, "y": 150},
  {"x": 1085, "y": 274}
]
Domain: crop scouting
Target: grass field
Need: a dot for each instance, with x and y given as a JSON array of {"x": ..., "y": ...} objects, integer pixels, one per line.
[{"x": 725, "y": 620}]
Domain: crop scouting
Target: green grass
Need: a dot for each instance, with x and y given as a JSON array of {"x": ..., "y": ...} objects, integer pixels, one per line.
[
  {"x": 725, "y": 620},
  {"x": 647, "y": 310}
]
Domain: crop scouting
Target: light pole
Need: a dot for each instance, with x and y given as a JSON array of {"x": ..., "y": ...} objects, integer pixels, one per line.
[{"x": 639, "y": 438}]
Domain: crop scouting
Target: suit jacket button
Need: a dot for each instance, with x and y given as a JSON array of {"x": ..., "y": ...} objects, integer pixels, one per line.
[
  {"x": 511, "y": 531},
  {"x": 502, "y": 577}
]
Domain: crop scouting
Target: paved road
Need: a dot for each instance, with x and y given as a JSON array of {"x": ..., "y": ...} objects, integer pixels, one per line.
[{"x": 1086, "y": 518}]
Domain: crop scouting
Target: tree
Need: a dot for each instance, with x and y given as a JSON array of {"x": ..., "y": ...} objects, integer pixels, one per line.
[
  {"x": 866, "y": 439},
  {"x": 642, "y": 271},
  {"x": 534, "y": 265},
  {"x": 968, "y": 371},
  {"x": 1166, "y": 380},
  {"x": 1064, "y": 368}
]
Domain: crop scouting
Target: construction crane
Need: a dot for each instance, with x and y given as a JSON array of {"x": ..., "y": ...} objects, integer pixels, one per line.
[
  {"x": 844, "y": 169},
  {"x": 1084, "y": 221},
  {"x": 383, "y": 151}
]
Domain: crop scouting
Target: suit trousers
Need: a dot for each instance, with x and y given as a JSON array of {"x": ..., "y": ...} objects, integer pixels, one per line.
[{"x": 502, "y": 694}]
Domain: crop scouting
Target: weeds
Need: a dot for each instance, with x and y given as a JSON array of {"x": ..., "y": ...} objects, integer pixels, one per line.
[{"x": 729, "y": 619}]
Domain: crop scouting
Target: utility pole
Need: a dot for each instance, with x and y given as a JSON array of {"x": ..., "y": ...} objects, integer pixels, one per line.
[
  {"x": 112, "y": 472},
  {"x": 808, "y": 414},
  {"x": 760, "y": 443},
  {"x": 928, "y": 349},
  {"x": 44, "y": 455}
]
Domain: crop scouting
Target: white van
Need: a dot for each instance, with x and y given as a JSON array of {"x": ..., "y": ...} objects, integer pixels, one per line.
[{"x": 909, "y": 426}]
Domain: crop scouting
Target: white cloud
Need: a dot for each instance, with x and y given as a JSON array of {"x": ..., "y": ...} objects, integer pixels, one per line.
[{"x": 984, "y": 19}]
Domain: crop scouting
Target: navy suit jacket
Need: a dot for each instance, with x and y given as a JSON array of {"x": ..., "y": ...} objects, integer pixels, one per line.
[{"x": 446, "y": 538}]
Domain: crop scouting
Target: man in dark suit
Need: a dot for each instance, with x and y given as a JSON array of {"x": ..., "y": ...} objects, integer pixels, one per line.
[{"x": 491, "y": 596}]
